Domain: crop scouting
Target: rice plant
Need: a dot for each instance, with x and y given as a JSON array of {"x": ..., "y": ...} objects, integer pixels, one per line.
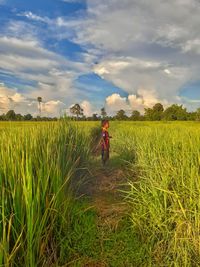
[
  {"x": 37, "y": 164},
  {"x": 164, "y": 193},
  {"x": 40, "y": 165}
]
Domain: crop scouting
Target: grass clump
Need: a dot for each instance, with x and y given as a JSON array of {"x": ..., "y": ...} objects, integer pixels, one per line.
[
  {"x": 165, "y": 195},
  {"x": 37, "y": 165}
]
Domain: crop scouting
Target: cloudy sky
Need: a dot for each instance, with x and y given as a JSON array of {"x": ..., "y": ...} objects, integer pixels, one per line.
[{"x": 126, "y": 54}]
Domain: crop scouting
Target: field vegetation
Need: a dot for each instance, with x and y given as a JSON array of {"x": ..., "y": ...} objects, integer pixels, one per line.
[
  {"x": 37, "y": 164},
  {"x": 45, "y": 223},
  {"x": 164, "y": 195}
]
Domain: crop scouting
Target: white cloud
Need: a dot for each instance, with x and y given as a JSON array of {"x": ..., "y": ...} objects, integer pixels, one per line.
[
  {"x": 12, "y": 99},
  {"x": 54, "y": 108},
  {"x": 115, "y": 102},
  {"x": 122, "y": 34},
  {"x": 137, "y": 44},
  {"x": 131, "y": 74},
  {"x": 143, "y": 99},
  {"x": 118, "y": 26},
  {"x": 52, "y": 76},
  {"x": 87, "y": 108},
  {"x": 144, "y": 43},
  {"x": 192, "y": 46},
  {"x": 32, "y": 16},
  {"x": 167, "y": 71}
]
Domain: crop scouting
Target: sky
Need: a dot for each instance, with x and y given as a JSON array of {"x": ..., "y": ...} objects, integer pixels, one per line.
[{"x": 126, "y": 54}]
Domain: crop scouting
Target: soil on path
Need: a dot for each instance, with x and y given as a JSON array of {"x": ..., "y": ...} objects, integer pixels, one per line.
[{"x": 105, "y": 192}]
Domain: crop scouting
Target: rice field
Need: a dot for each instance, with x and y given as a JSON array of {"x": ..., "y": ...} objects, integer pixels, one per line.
[
  {"x": 164, "y": 160},
  {"x": 40, "y": 162},
  {"x": 37, "y": 164}
]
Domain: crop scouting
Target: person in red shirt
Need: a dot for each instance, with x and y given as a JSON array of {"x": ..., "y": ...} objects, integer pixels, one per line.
[{"x": 105, "y": 143}]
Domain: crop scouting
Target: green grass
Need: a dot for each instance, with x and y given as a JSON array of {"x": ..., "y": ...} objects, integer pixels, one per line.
[
  {"x": 42, "y": 224},
  {"x": 164, "y": 193},
  {"x": 92, "y": 244},
  {"x": 37, "y": 165}
]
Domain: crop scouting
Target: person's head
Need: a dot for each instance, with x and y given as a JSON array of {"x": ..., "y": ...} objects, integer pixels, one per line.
[{"x": 105, "y": 124}]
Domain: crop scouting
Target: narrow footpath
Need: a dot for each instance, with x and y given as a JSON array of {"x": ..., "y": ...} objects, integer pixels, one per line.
[{"x": 117, "y": 244}]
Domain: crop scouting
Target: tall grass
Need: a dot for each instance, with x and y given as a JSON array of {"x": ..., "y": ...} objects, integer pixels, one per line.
[
  {"x": 165, "y": 193},
  {"x": 36, "y": 167}
]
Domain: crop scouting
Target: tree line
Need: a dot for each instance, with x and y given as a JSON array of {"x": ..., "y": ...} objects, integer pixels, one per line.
[
  {"x": 12, "y": 116},
  {"x": 174, "y": 112},
  {"x": 156, "y": 113}
]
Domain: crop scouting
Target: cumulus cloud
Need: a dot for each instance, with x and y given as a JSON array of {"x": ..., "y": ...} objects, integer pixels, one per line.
[
  {"x": 131, "y": 74},
  {"x": 50, "y": 75},
  {"x": 144, "y": 43},
  {"x": 54, "y": 108},
  {"x": 12, "y": 99},
  {"x": 143, "y": 99},
  {"x": 134, "y": 44},
  {"x": 87, "y": 108},
  {"x": 139, "y": 43},
  {"x": 115, "y": 102},
  {"x": 133, "y": 21}
]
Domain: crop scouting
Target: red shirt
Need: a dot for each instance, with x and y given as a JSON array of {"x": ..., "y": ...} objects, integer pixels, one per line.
[{"x": 106, "y": 141}]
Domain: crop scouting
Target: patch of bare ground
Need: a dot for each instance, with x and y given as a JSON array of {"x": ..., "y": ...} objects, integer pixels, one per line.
[
  {"x": 103, "y": 188},
  {"x": 104, "y": 191}
]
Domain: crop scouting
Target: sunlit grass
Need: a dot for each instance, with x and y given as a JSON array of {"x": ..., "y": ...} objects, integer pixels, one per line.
[
  {"x": 36, "y": 166},
  {"x": 40, "y": 223},
  {"x": 164, "y": 194}
]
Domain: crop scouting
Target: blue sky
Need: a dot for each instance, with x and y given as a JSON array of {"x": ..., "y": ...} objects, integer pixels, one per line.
[{"x": 98, "y": 53}]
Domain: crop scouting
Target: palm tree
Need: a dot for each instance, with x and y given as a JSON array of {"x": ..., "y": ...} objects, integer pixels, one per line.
[{"x": 39, "y": 99}]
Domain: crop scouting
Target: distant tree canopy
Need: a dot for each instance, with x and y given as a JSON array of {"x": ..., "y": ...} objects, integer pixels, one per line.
[
  {"x": 28, "y": 117},
  {"x": 76, "y": 110},
  {"x": 198, "y": 114},
  {"x": 103, "y": 113},
  {"x": 175, "y": 112},
  {"x": 156, "y": 113},
  {"x": 12, "y": 116},
  {"x": 121, "y": 115},
  {"x": 135, "y": 116}
]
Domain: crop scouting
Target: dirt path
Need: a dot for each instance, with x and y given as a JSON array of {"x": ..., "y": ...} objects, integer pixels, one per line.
[
  {"x": 106, "y": 197},
  {"x": 104, "y": 191}
]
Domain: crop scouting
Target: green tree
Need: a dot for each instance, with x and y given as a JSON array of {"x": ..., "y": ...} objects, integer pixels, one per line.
[
  {"x": 175, "y": 112},
  {"x": 135, "y": 116},
  {"x": 95, "y": 117},
  {"x": 28, "y": 117},
  {"x": 10, "y": 115},
  {"x": 76, "y": 110},
  {"x": 19, "y": 117},
  {"x": 191, "y": 116},
  {"x": 198, "y": 114},
  {"x": 158, "y": 107},
  {"x": 3, "y": 117},
  {"x": 148, "y": 114},
  {"x": 121, "y": 115},
  {"x": 155, "y": 113},
  {"x": 103, "y": 113}
]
